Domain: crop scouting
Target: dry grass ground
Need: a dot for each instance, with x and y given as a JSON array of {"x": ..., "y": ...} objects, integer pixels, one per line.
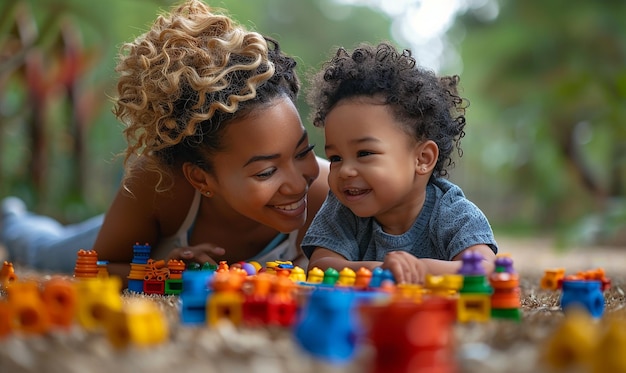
[{"x": 496, "y": 346}]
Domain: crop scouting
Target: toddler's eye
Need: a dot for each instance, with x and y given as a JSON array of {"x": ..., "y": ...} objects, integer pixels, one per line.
[
  {"x": 334, "y": 158},
  {"x": 363, "y": 153}
]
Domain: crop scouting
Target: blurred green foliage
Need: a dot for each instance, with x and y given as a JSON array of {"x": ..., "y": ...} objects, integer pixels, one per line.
[
  {"x": 548, "y": 93},
  {"x": 545, "y": 148},
  {"x": 59, "y": 137}
]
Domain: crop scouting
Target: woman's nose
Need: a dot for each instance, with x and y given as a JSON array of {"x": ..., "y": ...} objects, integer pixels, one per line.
[{"x": 296, "y": 181}]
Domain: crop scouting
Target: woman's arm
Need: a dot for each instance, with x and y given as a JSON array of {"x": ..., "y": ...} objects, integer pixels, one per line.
[{"x": 139, "y": 214}]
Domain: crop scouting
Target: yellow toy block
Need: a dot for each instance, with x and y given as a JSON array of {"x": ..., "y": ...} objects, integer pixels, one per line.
[
  {"x": 610, "y": 356},
  {"x": 225, "y": 306},
  {"x": 97, "y": 297},
  {"x": 573, "y": 343},
  {"x": 297, "y": 274},
  {"x": 140, "y": 322},
  {"x": 408, "y": 292},
  {"x": 443, "y": 285},
  {"x": 347, "y": 277},
  {"x": 315, "y": 276},
  {"x": 226, "y": 302},
  {"x": 474, "y": 307}
]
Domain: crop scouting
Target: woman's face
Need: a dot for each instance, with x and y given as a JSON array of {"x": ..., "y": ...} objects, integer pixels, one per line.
[{"x": 267, "y": 166}]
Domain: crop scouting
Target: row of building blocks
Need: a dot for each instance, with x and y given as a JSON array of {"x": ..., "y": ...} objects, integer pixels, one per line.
[
  {"x": 585, "y": 289},
  {"x": 93, "y": 303}
]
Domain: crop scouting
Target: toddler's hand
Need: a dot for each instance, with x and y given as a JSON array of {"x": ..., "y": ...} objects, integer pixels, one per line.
[
  {"x": 405, "y": 267},
  {"x": 202, "y": 253}
]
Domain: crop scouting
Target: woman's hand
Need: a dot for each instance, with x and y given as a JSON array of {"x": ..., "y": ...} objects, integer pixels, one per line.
[
  {"x": 201, "y": 254},
  {"x": 405, "y": 267}
]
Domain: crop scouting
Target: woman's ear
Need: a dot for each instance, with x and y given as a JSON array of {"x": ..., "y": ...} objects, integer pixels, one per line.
[
  {"x": 426, "y": 157},
  {"x": 198, "y": 178}
]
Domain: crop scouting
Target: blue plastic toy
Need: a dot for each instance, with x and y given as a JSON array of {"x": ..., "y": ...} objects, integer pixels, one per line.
[
  {"x": 583, "y": 293},
  {"x": 328, "y": 328}
]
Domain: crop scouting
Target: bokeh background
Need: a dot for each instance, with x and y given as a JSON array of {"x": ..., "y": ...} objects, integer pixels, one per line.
[{"x": 545, "y": 146}]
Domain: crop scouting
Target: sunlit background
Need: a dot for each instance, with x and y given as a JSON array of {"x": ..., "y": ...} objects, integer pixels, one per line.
[{"x": 545, "y": 149}]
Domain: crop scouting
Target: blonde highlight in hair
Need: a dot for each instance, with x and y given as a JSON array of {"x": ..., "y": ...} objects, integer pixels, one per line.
[{"x": 182, "y": 80}]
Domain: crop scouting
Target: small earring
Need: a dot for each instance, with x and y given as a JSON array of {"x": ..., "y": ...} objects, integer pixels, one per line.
[{"x": 208, "y": 193}]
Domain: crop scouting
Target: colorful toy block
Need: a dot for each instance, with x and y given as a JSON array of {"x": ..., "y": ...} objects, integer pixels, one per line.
[
  {"x": 413, "y": 337},
  {"x": 443, "y": 285},
  {"x": 506, "y": 297},
  {"x": 347, "y": 277},
  {"x": 331, "y": 276},
  {"x": 27, "y": 313},
  {"x": 573, "y": 343},
  {"x": 86, "y": 264},
  {"x": 281, "y": 305},
  {"x": 226, "y": 301},
  {"x": 328, "y": 328},
  {"x": 196, "y": 289},
  {"x": 96, "y": 298},
  {"x": 583, "y": 293},
  {"x": 315, "y": 276},
  {"x": 61, "y": 301},
  {"x": 363, "y": 278},
  {"x": 7, "y": 274},
  {"x": 140, "y": 322},
  {"x": 552, "y": 278},
  {"x": 474, "y": 303}
]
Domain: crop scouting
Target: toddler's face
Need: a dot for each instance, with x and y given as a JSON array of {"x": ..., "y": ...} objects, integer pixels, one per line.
[{"x": 373, "y": 160}]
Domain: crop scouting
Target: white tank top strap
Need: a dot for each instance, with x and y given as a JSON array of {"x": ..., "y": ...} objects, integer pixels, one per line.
[{"x": 179, "y": 239}]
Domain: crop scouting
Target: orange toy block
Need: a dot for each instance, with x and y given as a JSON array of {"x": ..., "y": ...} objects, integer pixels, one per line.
[
  {"x": 28, "y": 313},
  {"x": 7, "y": 274},
  {"x": 86, "y": 264},
  {"x": 59, "y": 296},
  {"x": 552, "y": 278}
]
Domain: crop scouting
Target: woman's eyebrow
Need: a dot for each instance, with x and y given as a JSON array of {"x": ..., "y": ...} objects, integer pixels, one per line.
[{"x": 267, "y": 157}]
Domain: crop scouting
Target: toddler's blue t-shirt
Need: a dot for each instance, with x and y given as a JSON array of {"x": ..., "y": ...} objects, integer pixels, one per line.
[{"x": 448, "y": 224}]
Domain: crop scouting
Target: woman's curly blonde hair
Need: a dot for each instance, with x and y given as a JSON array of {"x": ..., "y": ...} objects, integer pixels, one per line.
[{"x": 181, "y": 82}]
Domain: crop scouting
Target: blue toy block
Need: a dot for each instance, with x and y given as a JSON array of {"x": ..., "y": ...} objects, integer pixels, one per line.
[
  {"x": 583, "y": 293},
  {"x": 141, "y": 253},
  {"x": 328, "y": 327},
  {"x": 194, "y": 296},
  {"x": 379, "y": 275},
  {"x": 135, "y": 285}
]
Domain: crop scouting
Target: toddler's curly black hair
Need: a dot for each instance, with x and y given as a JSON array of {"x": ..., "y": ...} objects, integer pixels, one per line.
[{"x": 428, "y": 106}]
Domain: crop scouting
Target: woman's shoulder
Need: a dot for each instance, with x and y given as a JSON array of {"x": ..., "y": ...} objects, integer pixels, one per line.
[{"x": 168, "y": 203}]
